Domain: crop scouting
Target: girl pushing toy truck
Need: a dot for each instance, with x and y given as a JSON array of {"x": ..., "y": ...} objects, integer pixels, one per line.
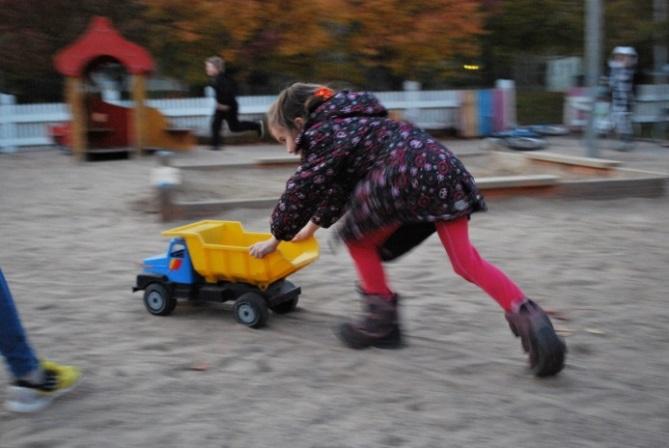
[{"x": 397, "y": 185}]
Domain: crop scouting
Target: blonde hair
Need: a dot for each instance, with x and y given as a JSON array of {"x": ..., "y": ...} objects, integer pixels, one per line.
[
  {"x": 296, "y": 101},
  {"x": 217, "y": 62}
]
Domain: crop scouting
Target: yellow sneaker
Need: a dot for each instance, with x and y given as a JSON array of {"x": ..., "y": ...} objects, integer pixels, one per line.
[{"x": 58, "y": 380}]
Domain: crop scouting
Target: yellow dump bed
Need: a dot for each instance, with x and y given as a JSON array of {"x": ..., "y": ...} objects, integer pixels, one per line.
[{"x": 219, "y": 250}]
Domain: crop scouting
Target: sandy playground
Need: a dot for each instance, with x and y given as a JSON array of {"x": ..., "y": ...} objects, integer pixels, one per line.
[{"x": 73, "y": 236}]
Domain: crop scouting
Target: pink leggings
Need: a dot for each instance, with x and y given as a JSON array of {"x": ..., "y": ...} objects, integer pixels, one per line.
[{"x": 464, "y": 257}]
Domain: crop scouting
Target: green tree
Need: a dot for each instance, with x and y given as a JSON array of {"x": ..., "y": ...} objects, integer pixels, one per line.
[
  {"x": 31, "y": 32},
  {"x": 631, "y": 23},
  {"x": 531, "y": 28}
]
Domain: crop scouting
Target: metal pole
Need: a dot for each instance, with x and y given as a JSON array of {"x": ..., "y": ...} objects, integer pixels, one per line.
[
  {"x": 593, "y": 44},
  {"x": 660, "y": 13}
]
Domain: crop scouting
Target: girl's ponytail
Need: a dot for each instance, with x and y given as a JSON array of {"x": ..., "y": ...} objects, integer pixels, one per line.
[
  {"x": 297, "y": 101},
  {"x": 318, "y": 97}
]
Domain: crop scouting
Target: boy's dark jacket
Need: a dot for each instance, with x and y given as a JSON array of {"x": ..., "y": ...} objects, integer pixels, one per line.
[
  {"x": 379, "y": 172},
  {"x": 226, "y": 92}
]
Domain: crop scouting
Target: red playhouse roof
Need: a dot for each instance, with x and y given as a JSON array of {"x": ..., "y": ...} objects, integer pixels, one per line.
[{"x": 102, "y": 39}]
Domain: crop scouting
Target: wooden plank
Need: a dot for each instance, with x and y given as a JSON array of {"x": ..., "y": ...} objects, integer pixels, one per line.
[
  {"x": 535, "y": 180},
  {"x": 573, "y": 160}
]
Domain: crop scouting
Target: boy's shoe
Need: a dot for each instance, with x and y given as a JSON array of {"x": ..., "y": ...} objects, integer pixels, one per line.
[
  {"x": 27, "y": 397},
  {"x": 378, "y": 327},
  {"x": 545, "y": 348}
]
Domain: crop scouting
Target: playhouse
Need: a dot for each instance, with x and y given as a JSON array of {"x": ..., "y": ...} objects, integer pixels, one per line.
[{"x": 98, "y": 126}]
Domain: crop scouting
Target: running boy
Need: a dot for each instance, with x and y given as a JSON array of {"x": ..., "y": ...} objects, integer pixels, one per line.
[
  {"x": 393, "y": 180},
  {"x": 226, "y": 103}
]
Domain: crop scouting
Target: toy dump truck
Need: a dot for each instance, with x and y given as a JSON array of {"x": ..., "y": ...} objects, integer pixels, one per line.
[{"x": 210, "y": 261}]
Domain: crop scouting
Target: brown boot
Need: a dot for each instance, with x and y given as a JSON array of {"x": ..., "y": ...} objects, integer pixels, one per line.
[
  {"x": 378, "y": 327},
  {"x": 545, "y": 348}
]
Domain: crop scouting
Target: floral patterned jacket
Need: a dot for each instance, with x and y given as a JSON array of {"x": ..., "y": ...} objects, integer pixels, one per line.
[{"x": 380, "y": 171}]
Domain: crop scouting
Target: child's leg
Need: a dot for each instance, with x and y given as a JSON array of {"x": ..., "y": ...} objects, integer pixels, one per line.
[
  {"x": 378, "y": 326},
  {"x": 216, "y": 125},
  {"x": 365, "y": 254},
  {"x": 527, "y": 320},
  {"x": 468, "y": 263},
  {"x": 13, "y": 342},
  {"x": 235, "y": 125}
]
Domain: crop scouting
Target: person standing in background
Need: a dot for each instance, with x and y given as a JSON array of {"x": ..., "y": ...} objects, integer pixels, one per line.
[{"x": 622, "y": 71}]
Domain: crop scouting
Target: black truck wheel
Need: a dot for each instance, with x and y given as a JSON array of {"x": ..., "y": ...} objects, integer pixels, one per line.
[
  {"x": 286, "y": 307},
  {"x": 250, "y": 309},
  {"x": 283, "y": 297},
  {"x": 158, "y": 301}
]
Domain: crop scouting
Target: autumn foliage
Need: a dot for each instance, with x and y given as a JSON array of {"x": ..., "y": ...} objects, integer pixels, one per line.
[
  {"x": 348, "y": 40},
  {"x": 370, "y": 43}
]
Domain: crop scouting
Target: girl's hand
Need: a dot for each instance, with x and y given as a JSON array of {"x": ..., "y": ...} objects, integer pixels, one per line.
[
  {"x": 306, "y": 232},
  {"x": 263, "y": 248}
]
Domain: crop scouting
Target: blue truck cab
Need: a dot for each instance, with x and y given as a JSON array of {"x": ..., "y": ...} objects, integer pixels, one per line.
[{"x": 175, "y": 265}]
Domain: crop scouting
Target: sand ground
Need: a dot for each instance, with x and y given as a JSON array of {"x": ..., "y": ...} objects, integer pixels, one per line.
[{"x": 72, "y": 239}]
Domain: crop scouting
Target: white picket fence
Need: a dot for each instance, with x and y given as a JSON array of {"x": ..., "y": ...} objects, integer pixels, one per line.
[
  {"x": 27, "y": 125},
  {"x": 24, "y": 125}
]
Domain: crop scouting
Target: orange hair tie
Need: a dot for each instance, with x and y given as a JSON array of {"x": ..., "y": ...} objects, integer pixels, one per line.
[{"x": 324, "y": 93}]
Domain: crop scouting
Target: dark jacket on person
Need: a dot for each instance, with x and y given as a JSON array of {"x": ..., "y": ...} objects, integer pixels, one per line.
[
  {"x": 226, "y": 91},
  {"x": 380, "y": 171}
]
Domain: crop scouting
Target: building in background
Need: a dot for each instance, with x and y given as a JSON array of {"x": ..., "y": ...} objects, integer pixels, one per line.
[{"x": 563, "y": 73}]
